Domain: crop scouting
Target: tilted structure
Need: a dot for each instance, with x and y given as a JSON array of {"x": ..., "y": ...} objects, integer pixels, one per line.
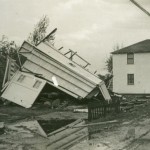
[{"x": 47, "y": 65}]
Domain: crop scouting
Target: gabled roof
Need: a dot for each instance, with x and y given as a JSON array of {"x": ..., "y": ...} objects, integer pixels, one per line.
[{"x": 140, "y": 47}]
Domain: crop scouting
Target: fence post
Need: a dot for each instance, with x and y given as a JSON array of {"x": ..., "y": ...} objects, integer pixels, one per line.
[
  {"x": 97, "y": 110},
  {"x": 105, "y": 110},
  {"x": 89, "y": 112}
]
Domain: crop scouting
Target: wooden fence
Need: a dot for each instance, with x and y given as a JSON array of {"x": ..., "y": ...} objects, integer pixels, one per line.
[{"x": 98, "y": 109}]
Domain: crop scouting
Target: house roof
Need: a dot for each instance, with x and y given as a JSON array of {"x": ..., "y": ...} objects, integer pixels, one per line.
[
  {"x": 140, "y": 47},
  {"x": 72, "y": 79}
]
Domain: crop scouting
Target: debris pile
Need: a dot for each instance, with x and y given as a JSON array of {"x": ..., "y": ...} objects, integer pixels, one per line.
[{"x": 128, "y": 103}]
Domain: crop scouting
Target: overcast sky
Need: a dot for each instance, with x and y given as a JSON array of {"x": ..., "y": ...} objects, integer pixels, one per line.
[{"x": 90, "y": 27}]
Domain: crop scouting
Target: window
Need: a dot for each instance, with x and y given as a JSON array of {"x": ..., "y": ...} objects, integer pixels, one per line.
[
  {"x": 21, "y": 78},
  {"x": 37, "y": 84},
  {"x": 130, "y": 79},
  {"x": 130, "y": 58}
]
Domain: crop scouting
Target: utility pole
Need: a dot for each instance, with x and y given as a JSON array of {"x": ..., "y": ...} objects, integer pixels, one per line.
[{"x": 139, "y": 6}]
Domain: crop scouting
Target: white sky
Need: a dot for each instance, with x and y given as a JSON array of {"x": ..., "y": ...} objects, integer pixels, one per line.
[{"x": 90, "y": 27}]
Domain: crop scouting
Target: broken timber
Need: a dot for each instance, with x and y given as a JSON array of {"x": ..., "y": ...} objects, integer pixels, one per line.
[
  {"x": 46, "y": 64},
  {"x": 67, "y": 136}
]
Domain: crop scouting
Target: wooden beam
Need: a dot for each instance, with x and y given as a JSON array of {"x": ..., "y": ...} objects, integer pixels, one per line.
[
  {"x": 60, "y": 48},
  {"x": 81, "y": 58},
  {"x": 72, "y": 54},
  {"x": 6, "y": 72},
  {"x": 67, "y": 52},
  {"x": 86, "y": 65},
  {"x": 99, "y": 123}
]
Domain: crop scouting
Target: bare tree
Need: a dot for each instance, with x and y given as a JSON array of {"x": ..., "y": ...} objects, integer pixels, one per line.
[{"x": 39, "y": 31}]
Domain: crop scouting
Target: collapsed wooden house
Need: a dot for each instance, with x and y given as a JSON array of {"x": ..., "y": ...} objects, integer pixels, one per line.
[{"x": 47, "y": 65}]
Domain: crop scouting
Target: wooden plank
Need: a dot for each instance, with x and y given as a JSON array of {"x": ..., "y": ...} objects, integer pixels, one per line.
[
  {"x": 65, "y": 127},
  {"x": 99, "y": 123}
]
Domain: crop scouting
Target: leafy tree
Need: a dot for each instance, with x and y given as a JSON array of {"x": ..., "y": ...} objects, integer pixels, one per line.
[
  {"x": 109, "y": 64},
  {"x": 7, "y": 48},
  {"x": 109, "y": 61},
  {"x": 39, "y": 31},
  {"x": 102, "y": 77},
  {"x": 109, "y": 67}
]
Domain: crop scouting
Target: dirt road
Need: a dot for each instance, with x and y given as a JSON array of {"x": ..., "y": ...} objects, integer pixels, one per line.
[{"x": 132, "y": 132}]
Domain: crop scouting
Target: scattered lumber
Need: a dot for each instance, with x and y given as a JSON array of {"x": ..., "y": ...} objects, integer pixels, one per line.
[
  {"x": 83, "y": 110},
  {"x": 130, "y": 103}
]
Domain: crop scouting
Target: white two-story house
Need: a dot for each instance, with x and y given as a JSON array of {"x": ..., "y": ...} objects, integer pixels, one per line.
[{"x": 131, "y": 69}]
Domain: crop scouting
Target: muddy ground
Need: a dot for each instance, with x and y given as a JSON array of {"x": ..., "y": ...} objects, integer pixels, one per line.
[
  {"x": 131, "y": 132},
  {"x": 17, "y": 137}
]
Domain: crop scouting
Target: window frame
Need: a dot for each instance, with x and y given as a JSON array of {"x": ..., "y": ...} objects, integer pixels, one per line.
[
  {"x": 130, "y": 79},
  {"x": 130, "y": 58}
]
